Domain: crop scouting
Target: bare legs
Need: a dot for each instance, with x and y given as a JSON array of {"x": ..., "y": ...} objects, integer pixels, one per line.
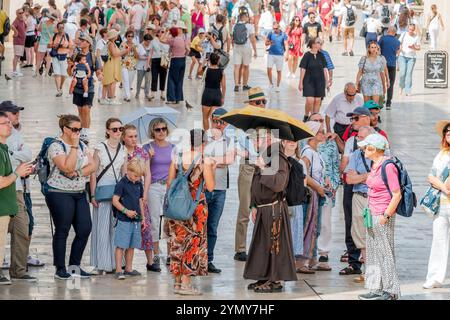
[{"x": 206, "y": 115}]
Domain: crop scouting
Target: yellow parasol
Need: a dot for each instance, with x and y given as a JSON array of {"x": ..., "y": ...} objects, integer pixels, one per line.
[{"x": 252, "y": 117}]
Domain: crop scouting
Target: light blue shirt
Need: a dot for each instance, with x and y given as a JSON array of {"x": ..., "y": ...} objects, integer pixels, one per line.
[{"x": 356, "y": 164}]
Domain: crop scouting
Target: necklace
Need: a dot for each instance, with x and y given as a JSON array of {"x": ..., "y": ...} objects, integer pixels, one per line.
[{"x": 111, "y": 146}]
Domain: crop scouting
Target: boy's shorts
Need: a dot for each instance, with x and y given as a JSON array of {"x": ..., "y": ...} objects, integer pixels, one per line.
[{"x": 127, "y": 235}]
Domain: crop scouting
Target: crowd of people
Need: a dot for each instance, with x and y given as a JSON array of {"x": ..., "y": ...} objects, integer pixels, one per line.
[{"x": 113, "y": 193}]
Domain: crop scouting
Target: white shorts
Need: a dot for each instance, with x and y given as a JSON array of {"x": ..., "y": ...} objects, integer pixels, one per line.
[
  {"x": 59, "y": 67},
  {"x": 275, "y": 60},
  {"x": 242, "y": 54},
  {"x": 43, "y": 48}
]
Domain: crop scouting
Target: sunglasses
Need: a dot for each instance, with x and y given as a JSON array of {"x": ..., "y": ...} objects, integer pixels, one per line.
[
  {"x": 74, "y": 130},
  {"x": 356, "y": 118},
  {"x": 217, "y": 121},
  {"x": 259, "y": 102},
  {"x": 19, "y": 12},
  {"x": 130, "y": 36},
  {"x": 350, "y": 95},
  {"x": 116, "y": 129},
  {"x": 318, "y": 120},
  {"x": 163, "y": 129}
]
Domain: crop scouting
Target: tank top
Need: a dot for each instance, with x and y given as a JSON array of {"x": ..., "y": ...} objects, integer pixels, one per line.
[
  {"x": 213, "y": 78},
  {"x": 46, "y": 34}
]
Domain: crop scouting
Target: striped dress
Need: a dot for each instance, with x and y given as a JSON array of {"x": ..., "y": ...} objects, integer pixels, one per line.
[{"x": 102, "y": 235}]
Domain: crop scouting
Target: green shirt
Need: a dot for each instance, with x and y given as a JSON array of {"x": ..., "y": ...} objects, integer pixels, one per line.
[
  {"x": 109, "y": 14},
  {"x": 8, "y": 201},
  {"x": 186, "y": 18}
]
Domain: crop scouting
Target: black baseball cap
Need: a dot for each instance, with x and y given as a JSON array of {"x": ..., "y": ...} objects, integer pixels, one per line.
[
  {"x": 9, "y": 106},
  {"x": 360, "y": 111}
]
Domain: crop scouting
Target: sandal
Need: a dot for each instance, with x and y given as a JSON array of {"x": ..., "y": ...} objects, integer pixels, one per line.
[
  {"x": 189, "y": 290},
  {"x": 344, "y": 257},
  {"x": 266, "y": 287},
  {"x": 360, "y": 279},
  {"x": 305, "y": 270},
  {"x": 253, "y": 285},
  {"x": 176, "y": 288},
  {"x": 349, "y": 270},
  {"x": 277, "y": 287},
  {"x": 322, "y": 268}
]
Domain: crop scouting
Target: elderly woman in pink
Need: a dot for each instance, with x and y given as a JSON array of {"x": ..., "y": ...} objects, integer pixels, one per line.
[{"x": 381, "y": 274}]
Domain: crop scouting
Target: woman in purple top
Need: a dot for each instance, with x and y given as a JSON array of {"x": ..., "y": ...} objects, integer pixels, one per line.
[{"x": 160, "y": 151}]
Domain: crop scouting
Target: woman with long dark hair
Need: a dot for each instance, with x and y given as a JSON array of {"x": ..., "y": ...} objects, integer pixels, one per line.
[{"x": 294, "y": 33}]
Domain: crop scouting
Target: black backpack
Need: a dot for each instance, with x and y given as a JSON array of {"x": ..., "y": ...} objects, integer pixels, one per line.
[
  {"x": 351, "y": 16},
  {"x": 220, "y": 37},
  {"x": 240, "y": 35},
  {"x": 385, "y": 15},
  {"x": 6, "y": 27},
  {"x": 296, "y": 192}
]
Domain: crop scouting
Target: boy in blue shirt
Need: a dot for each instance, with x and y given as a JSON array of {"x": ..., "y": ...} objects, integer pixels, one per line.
[
  {"x": 128, "y": 210},
  {"x": 277, "y": 40}
]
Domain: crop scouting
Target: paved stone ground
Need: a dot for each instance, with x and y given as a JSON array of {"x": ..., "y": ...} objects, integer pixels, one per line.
[{"x": 410, "y": 125}]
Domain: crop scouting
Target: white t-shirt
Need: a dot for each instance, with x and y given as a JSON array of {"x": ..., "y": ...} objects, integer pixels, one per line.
[
  {"x": 74, "y": 9},
  {"x": 266, "y": 20},
  {"x": 143, "y": 52},
  {"x": 344, "y": 11},
  {"x": 373, "y": 24},
  {"x": 158, "y": 48},
  {"x": 250, "y": 31},
  {"x": 368, "y": 6},
  {"x": 235, "y": 12},
  {"x": 337, "y": 9},
  {"x": 138, "y": 16},
  {"x": 406, "y": 40},
  {"x": 31, "y": 26},
  {"x": 218, "y": 148},
  {"x": 71, "y": 29}
]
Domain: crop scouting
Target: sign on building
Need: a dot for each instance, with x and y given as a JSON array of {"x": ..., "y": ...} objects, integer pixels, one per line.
[{"x": 436, "y": 69}]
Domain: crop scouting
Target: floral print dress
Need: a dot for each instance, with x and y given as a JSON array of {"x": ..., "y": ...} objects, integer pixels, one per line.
[
  {"x": 188, "y": 241},
  {"x": 146, "y": 232}
]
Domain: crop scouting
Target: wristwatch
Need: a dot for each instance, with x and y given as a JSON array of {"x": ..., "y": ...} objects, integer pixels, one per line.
[{"x": 386, "y": 216}]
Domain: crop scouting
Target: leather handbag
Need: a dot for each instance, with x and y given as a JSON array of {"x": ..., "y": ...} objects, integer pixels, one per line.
[
  {"x": 430, "y": 202},
  {"x": 106, "y": 192}
]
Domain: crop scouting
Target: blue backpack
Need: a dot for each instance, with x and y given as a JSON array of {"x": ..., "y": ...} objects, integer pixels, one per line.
[
  {"x": 43, "y": 164},
  {"x": 409, "y": 200},
  {"x": 178, "y": 202}
]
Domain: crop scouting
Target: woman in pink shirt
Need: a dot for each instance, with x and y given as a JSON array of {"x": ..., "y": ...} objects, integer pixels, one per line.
[
  {"x": 179, "y": 47},
  {"x": 381, "y": 274}
]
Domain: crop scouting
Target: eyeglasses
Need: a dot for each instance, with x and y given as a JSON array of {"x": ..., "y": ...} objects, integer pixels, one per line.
[
  {"x": 163, "y": 129},
  {"x": 217, "y": 121},
  {"x": 317, "y": 120},
  {"x": 259, "y": 102},
  {"x": 74, "y": 130},
  {"x": 116, "y": 129},
  {"x": 130, "y": 36}
]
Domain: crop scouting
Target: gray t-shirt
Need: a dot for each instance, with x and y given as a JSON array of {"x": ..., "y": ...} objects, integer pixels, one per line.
[{"x": 218, "y": 148}]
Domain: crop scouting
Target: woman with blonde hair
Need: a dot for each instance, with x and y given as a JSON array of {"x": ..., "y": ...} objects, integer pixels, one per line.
[
  {"x": 438, "y": 178},
  {"x": 371, "y": 80},
  {"x": 434, "y": 24},
  {"x": 160, "y": 152}
]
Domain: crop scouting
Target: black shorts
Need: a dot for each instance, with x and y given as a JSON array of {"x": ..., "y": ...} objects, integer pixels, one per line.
[
  {"x": 29, "y": 41},
  {"x": 311, "y": 90},
  {"x": 80, "y": 101},
  {"x": 2, "y": 39},
  {"x": 212, "y": 98},
  {"x": 195, "y": 53}
]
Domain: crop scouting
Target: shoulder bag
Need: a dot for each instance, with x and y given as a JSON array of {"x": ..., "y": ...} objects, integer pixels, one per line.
[
  {"x": 106, "y": 192},
  {"x": 430, "y": 202}
]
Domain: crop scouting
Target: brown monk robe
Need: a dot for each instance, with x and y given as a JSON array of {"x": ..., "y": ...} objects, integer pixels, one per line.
[{"x": 271, "y": 255}]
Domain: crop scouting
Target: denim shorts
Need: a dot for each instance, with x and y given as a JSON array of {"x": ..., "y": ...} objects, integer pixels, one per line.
[{"x": 128, "y": 235}]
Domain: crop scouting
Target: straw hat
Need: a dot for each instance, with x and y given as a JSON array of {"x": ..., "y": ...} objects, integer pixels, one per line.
[
  {"x": 87, "y": 38},
  {"x": 440, "y": 126},
  {"x": 254, "y": 94},
  {"x": 112, "y": 34}
]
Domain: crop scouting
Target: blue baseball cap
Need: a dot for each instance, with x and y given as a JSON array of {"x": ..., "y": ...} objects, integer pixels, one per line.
[
  {"x": 219, "y": 112},
  {"x": 372, "y": 105},
  {"x": 360, "y": 111}
]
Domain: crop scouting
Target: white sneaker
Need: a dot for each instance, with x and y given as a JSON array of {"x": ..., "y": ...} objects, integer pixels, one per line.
[
  {"x": 288, "y": 75},
  {"x": 115, "y": 102},
  {"x": 103, "y": 101},
  {"x": 293, "y": 75},
  {"x": 277, "y": 89},
  {"x": 17, "y": 74},
  {"x": 271, "y": 87},
  {"x": 432, "y": 284}
]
